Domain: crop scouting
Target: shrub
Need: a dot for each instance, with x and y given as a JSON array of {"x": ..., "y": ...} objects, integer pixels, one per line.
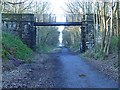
[{"x": 114, "y": 44}]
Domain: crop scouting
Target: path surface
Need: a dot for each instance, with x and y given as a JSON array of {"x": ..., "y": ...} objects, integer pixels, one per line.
[
  {"x": 79, "y": 74},
  {"x": 64, "y": 70}
]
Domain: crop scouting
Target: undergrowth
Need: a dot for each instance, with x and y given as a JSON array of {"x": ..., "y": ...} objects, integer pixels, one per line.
[
  {"x": 114, "y": 44},
  {"x": 44, "y": 48},
  {"x": 98, "y": 54}
]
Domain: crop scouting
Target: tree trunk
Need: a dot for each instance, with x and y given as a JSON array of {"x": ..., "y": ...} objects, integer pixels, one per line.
[
  {"x": 97, "y": 24},
  {"x": 108, "y": 39},
  {"x": 94, "y": 32},
  {"x": 104, "y": 25},
  {"x": 101, "y": 30},
  {"x": 108, "y": 33},
  {"x": 111, "y": 30}
]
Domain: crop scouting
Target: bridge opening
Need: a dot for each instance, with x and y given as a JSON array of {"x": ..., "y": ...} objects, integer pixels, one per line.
[
  {"x": 27, "y": 26},
  {"x": 59, "y": 21}
]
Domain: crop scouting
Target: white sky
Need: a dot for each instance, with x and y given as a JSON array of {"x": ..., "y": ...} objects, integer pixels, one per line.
[{"x": 57, "y": 8}]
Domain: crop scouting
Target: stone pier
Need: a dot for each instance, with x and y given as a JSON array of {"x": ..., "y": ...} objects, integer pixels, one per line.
[{"x": 21, "y": 25}]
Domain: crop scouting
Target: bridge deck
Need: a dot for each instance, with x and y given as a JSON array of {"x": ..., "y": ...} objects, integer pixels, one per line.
[{"x": 57, "y": 23}]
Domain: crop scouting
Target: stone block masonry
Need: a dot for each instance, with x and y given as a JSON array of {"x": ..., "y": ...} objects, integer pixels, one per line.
[{"x": 21, "y": 25}]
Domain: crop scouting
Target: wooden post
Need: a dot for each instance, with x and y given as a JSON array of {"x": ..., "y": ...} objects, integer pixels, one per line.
[
  {"x": 50, "y": 18},
  {"x": 43, "y": 17},
  {"x": 66, "y": 18},
  {"x": 55, "y": 18}
]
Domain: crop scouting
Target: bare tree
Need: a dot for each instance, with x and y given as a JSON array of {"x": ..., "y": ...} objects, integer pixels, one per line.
[
  {"x": 44, "y": 34},
  {"x": 17, "y": 6},
  {"x": 107, "y": 18},
  {"x": 79, "y": 8}
]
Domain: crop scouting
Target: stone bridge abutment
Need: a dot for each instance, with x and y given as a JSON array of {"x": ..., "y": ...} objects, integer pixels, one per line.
[{"x": 21, "y": 25}]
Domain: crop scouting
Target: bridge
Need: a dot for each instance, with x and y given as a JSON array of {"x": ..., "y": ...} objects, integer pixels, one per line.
[
  {"x": 24, "y": 25},
  {"x": 57, "y": 23}
]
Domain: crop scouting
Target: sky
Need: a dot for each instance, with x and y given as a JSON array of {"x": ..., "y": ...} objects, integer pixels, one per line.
[{"x": 57, "y": 7}]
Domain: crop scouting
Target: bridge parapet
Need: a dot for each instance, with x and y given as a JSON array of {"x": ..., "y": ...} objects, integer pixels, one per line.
[
  {"x": 17, "y": 17},
  {"x": 73, "y": 17},
  {"x": 45, "y": 18},
  {"x": 58, "y": 18}
]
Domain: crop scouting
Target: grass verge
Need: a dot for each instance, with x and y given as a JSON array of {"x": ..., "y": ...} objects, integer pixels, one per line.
[{"x": 12, "y": 45}]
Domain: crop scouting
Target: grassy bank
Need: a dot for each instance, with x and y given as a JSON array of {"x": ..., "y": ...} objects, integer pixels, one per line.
[{"x": 13, "y": 46}]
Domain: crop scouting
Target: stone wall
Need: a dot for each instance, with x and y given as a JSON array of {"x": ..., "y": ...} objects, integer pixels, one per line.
[
  {"x": 89, "y": 30},
  {"x": 21, "y": 25}
]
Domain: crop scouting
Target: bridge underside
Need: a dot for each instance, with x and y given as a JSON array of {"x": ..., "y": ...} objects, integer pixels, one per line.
[{"x": 57, "y": 23}]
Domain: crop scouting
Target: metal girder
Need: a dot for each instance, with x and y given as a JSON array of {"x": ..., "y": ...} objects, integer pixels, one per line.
[{"x": 57, "y": 23}]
